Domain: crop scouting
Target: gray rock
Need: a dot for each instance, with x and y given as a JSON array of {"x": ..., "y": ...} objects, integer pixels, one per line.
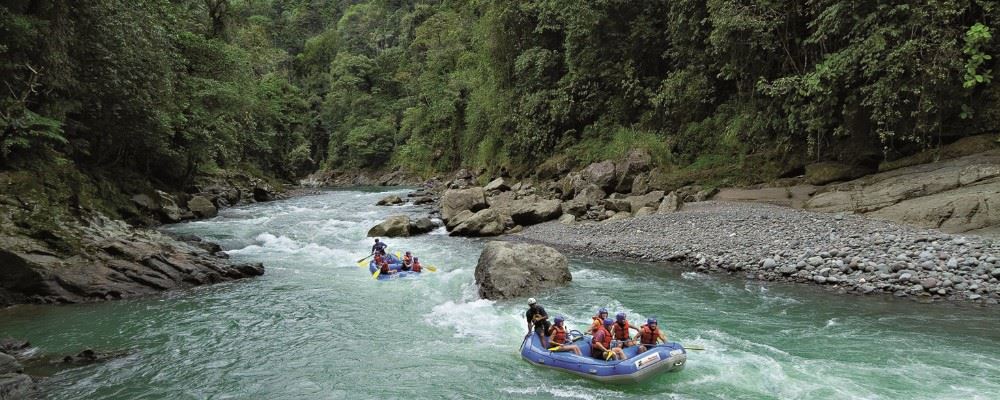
[
  {"x": 507, "y": 270},
  {"x": 421, "y": 225},
  {"x": 768, "y": 263},
  {"x": 498, "y": 184},
  {"x": 394, "y": 226},
  {"x": 815, "y": 261},
  {"x": 671, "y": 203},
  {"x": 390, "y": 200},
  {"x": 788, "y": 269},
  {"x": 618, "y": 216},
  {"x": 532, "y": 212},
  {"x": 929, "y": 283},
  {"x": 9, "y": 365},
  {"x": 15, "y": 386},
  {"x": 575, "y": 207},
  {"x": 651, "y": 199},
  {"x": 819, "y": 279},
  {"x": 591, "y": 195},
  {"x": 617, "y": 205},
  {"x": 202, "y": 207},
  {"x": 454, "y": 201},
  {"x": 458, "y": 219},
  {"x": 567, "y": 219},
  {"x": 488, "y": 222},
  {"x": 601, "y": 174}
]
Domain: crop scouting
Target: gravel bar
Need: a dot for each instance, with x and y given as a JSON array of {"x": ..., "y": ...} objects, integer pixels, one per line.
[{"x": 845, "y": 252}]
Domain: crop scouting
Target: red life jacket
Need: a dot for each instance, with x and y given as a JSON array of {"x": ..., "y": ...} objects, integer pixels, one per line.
[
  {"x": 621, "y": 331},
  {"x": 603, "y": 337},
  {"x": 648, "y": 336},
  {"x": 415, "y": 267},
  {"x": 560, "y": 334}
]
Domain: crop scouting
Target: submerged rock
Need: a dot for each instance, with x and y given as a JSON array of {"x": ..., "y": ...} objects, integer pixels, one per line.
[
  {"x": 506, "y": 270},
  {"x": 390, "y": 200}
]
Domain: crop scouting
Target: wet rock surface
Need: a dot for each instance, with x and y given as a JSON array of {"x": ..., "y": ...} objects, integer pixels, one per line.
[{"x": 848, "y": 253}]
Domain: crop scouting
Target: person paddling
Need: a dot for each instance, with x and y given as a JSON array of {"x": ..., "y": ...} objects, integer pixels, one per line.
[
  {"x": 600, "y": 345},
  {"x": 649, "y": 334},
  {"x": 378, "y": 247},
  {"x": 559, "y": 338},
  {"x": 538, "y": 319},
  {"x": 619, "y": 331}
]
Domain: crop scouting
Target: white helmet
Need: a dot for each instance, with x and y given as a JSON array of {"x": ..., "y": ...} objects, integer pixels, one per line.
[{"x": 531, "y": 300}]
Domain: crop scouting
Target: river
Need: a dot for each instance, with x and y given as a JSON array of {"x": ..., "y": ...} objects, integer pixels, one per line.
[{"x": 318, "y": 326}]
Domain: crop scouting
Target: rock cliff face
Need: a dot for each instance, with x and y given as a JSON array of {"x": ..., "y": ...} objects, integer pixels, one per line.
[
  {"x": 958, "y": 195},
  {"x": 58, "y": 245}
]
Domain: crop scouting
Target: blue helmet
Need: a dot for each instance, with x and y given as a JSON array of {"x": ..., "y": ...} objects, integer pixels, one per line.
[
  {"x": 651, "y": 321},
  {"x": 559, "y": 320},
  {"x": 620, "y": 316},
  {"x": 608, "y": 321},
  {"x": 602, "y": 311}
]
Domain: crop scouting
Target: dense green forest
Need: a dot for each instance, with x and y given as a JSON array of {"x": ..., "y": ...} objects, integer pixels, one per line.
[{"x": 173, "y": 88}]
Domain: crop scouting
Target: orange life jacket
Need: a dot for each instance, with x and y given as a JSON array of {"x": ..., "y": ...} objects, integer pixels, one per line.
[
  {"x": 598, "y": 322},
  {"x": 415, "y": 267},
  {"x": 648, "y": 336},
  {"x": 559, "y": 336},
  {"x": 621, "y": 331},
  {"x": 407, "y": 260},
  {"x": 385, "y": 267},
  {"x": 605, "y": 340}
]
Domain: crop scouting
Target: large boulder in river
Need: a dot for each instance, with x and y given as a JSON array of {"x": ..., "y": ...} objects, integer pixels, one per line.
[
  {"x": 488, "y": 222},
  {"x": 202, "y": 207},
  {"x": 421, "y": 225},
  {"x": 528, "y": 212},
  {"x": 455, "y": 201},
  {"x": 507, "y": 270},
  {"x": 394, "y": 226}
]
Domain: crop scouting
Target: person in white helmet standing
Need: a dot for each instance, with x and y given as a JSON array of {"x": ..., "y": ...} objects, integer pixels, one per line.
[{"x": 538, "y": 320}]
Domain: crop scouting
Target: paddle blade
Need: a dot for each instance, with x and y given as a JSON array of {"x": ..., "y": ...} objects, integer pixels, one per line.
[
  {"x": 608, "y": 358},
  {"x": 432, "y": 268},
  {"x": 376, "y": 274},
  {"x": 362, "y": 264},
  {"x": 554, "y": 348},
  {"x": 693, "y": 347}
]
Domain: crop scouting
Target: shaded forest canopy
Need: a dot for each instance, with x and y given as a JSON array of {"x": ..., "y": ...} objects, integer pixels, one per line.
[{"x": 173, "y": 88}]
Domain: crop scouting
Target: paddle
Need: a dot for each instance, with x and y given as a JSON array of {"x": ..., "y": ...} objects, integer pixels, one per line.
[
  {"x": 363, "y": 259},
  {"x": 693, "y": 347}
]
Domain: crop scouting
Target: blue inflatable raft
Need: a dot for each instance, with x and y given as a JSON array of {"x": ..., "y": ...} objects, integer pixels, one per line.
[
  {"x": 666, "y": 357},
  {"x": 395, "y": 264}
]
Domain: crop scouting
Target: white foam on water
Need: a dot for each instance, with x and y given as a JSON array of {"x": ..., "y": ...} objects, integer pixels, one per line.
[
  {"x": 441, "y": 230},
  {"x": 566, "y": 392},
  {"x": 479, "y": 319}
]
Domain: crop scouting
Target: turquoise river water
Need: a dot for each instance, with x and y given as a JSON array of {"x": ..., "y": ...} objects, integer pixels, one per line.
[{"x": 316, "y": 326}]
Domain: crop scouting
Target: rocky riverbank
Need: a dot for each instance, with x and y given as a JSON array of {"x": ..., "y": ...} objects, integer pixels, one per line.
[
  {"x": 64, "y": 236},
  {"x": 845, "y": 253}
]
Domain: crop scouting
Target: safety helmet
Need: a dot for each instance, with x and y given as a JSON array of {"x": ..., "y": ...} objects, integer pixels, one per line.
[
  {"x": 602, "y": 311},
  {"x": 608, "y": 321},
  {"x": 620, "y": 316},
  {"x": 651, "y": 321},
  {"x": 531, "y": 300},
  {"x": 559, "y": 320},
  {"x": 407, "y": 253},
  {"x": 416, "y": 259}
]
